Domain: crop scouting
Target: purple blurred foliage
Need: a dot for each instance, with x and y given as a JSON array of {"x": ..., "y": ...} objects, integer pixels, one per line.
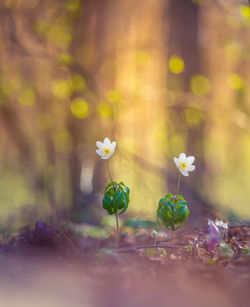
[
  {"x": 215, "y": 233},
  {"x": 44, "y": 231},
  {"x": 213, "y": 242}
]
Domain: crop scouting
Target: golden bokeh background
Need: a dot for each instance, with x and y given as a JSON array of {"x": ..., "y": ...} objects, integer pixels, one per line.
[{"x": 159, "y": 77}]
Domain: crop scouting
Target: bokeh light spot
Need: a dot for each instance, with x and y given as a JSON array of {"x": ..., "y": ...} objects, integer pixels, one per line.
[
  {"x": 27, "y": 97},
  {"x": 193, "y": 117},
  {"x": 233, "y": 51},
  {"x": 73, "y": 5},
  {"x": 78, "y": 83},
  {"x": 244, "y": 11},
  {"x": 235, "y": 81},
  {"x": 65, "y": 59},
  {"x": 200, "y": 85},
  {"x": 42, "y": 27},
  {"x": 104, "y": 110},
  {"x": 114, "y": 96},
  {"x": 60, "y": 36},
  {"x": 10, "y": 85},
  {"x": 61, "y": 89},
  {"x": 176, "y": 64},
  {"x": 79, "y": 108}
]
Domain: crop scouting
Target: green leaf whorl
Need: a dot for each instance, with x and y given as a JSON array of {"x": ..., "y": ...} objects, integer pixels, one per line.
[
  {"x": 172, "y": 211},
  {"x": 116, "y": 198}
]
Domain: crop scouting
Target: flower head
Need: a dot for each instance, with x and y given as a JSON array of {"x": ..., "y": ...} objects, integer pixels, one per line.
[
  {"x": 212, "y": 234},
  {"x": 154, "y": 233},
  {"x": 221, "y": 224},
  {"x": 105, "y": 149},
  {"x": 184, "y": 164},
  {"x": 212, "y": 228},
  {"x": 216, "y": 232}
]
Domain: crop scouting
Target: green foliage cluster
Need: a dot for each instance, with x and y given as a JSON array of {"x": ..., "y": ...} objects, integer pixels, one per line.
[
  {"x": 116, "y": 198},
  {"x": 172, "y": 211}
]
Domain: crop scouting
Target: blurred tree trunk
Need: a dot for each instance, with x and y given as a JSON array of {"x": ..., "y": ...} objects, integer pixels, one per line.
[
  {"x": 183, "y": 41},
  {"x": 90, "y": 31},
  {"x": 183, "y": 16}
]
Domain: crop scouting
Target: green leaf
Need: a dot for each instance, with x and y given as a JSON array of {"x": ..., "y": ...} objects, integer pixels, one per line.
[
  {"x": 165, "y": 214},
  {"x": 180, "y": 196},
  {"x": 107, "y": 203},
  {"x": 170, "y": 214},
  {"x": 182, "y": 203},
  {"x": 180, "y": 225},
  {"x": 168, "y": 196},
  {"x": 113, "y": 183},
  {"x": 171, "y": 207},
  {"x": 181, "y": 210},
  {"x": 117, "y": 199},
  {"x": 127, "y": 190}
]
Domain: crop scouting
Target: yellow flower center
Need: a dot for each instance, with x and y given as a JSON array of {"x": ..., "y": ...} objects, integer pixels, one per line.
[
  {"x": 106, "y": 151},
  {"x": 183, "y": 165}
]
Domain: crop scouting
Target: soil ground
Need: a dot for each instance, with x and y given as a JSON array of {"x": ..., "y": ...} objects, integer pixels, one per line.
[{"x": 52, "y": 275}]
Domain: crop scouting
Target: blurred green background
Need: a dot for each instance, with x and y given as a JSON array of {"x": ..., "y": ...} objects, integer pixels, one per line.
[{"x": 159, "y": 77}]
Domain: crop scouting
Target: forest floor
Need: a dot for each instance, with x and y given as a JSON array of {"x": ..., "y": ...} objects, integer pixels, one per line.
[{"x": 50, "y": 268}]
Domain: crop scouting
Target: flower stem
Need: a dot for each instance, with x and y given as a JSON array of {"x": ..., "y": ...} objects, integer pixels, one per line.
[
  {"x": 177, "y": 191},
  {"x": 116, "y": 215},
  {"x": 109, "y": 171},
  {"x": 172, "y": 236},
  {"x": 117, "y": 231},
  {"x": 178, "y": 184}
]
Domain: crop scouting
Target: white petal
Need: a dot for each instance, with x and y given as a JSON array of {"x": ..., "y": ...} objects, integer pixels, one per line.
[
  {"x": 191, "y": 168},
  {"x": 182, "y": 156},
  {"x": 113, "y": 146},
  {"x": 106, "y": 141},
  {"x": 190, "y": 160},
  {"x": 211, "y": 223},
  {"x": 105, "y": 157},
  {"x": 184, "y": 173},
  {"x": 99, "y": 145},
  {"x": 176, "y": 161},
  {"x": 99, "y": 152}
]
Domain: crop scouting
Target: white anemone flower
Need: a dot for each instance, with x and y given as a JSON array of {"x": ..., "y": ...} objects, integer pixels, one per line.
[
  {"x": 211, "y": 223},
  {"x": 184, "y": 164},
  {"x": 105, "y": 149},
  {"x": 221, "y": 224}
]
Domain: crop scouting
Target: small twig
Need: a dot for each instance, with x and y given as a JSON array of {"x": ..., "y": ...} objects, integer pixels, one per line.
[
  {"x": 172, "y": 236},
  {"x": 133, "y": 249},
  {"x": 117, "y": 231}
]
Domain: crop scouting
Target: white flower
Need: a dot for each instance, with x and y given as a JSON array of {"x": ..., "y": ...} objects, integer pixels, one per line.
[
  {"x": 154, "y": 233},
  {"x": 105, "y": 149},
  {"x": 221, "y": 224},
  {"x": 184, "y": 164},
  {"x": 213, "y": 225}
]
